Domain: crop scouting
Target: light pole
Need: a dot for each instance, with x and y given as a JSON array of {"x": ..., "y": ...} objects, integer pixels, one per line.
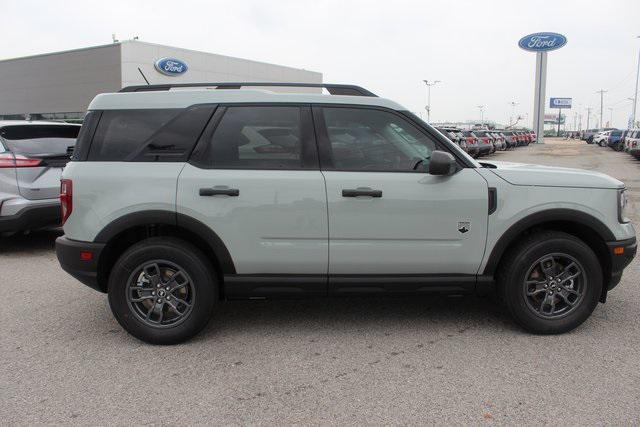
[
  {"x": 588, "y": 117},
  {"x": 429, "y": 84},
  {"x": 610, "y": 116},
  {"x": 481, "y": 108},
  {"x": 513, "y": 111},
  {"x": 635, "y": 95},
  {"x": 601, "y": 92}
]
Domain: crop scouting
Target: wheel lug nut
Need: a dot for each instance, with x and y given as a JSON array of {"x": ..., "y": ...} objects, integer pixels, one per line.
[
  {"x": 160, "y": 300},
  {"x": 167, "y": 288},
  {"x": 153, "y": 292}
]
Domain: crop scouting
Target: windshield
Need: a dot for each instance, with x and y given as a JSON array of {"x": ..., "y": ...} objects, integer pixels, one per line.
[{"x": 34, "y": 140}]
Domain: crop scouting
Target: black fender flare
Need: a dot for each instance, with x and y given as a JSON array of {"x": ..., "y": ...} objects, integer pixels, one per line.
[
  {"x": 540, "y": 218},
  {"x": 162, "y": 217}
]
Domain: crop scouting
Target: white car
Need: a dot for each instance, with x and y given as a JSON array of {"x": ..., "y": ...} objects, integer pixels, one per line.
[
  {"x": 177, "y": 199},
  {"x": 601, "y": 138}
]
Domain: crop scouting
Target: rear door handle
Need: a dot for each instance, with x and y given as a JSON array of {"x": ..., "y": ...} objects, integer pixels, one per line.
[
  {"x": 361, "y": 191},
  {"x": 220, "y": 191}
]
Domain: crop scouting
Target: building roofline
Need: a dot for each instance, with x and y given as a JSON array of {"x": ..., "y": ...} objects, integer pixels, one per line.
[
  {"x": 61, "y": 52},
  {"x": 217, "y": 54},
  {"x": 122, "y": 42}
]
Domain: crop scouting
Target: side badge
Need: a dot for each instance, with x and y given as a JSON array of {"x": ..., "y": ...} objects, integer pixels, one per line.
[{"x": 463, "y": 227}]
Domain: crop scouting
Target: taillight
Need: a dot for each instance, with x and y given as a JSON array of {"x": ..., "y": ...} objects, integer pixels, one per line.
[
  {"x": 9, "y": 160},
  {"x": 66, "y": 199}
]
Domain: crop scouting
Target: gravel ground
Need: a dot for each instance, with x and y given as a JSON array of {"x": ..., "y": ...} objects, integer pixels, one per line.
[{"x": 347, "y": 361}]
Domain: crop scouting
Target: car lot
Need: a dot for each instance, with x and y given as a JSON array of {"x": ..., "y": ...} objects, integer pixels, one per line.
[{"x": 347, "y": 361}]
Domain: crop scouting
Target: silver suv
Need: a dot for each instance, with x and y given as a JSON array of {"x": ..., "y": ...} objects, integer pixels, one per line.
[
  {"x": 32, "y": 155},
  {"x": 177, "y": 198}
]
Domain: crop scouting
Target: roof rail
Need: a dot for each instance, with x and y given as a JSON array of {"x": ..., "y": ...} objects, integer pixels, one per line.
[{"x": 333, "y": 89}]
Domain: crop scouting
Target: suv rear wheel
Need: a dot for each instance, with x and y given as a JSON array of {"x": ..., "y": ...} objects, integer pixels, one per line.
[
  {"x": 162, "y": 290},
  {"x": 551, "y": 282}
]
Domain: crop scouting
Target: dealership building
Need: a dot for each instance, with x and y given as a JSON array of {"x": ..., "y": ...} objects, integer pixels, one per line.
[{"x": 60, "y": 85}]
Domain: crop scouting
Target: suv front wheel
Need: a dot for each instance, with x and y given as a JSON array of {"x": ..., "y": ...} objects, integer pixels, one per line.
[
  {"x": 162, "y": 290},
  {"x": 550, "y": 282}
]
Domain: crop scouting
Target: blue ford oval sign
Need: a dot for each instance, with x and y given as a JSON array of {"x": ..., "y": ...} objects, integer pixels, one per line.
[
  {"x": 542, "y": 42},
  {"x": 171, "y": 66}
]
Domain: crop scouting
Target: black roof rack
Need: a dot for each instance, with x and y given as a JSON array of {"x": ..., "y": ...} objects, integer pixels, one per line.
[{"x": 333, "y": 89}]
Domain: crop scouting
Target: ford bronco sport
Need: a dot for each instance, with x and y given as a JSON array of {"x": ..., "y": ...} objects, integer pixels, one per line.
[{"x": 179, "y": 197}]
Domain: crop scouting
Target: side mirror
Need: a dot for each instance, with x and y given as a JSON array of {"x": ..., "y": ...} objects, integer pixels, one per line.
[{"x": 442, "y": 163}]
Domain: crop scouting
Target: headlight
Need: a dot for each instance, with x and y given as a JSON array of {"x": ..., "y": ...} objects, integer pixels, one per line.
[{"x": 622, "y": 206}]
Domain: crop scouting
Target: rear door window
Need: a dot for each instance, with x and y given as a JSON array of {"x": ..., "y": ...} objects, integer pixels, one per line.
[{"x": 259, "y": 137}]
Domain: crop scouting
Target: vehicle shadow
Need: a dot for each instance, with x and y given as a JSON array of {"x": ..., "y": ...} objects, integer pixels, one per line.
[
  {"x": 30, "y": 243},
  {"x": 359, "y": 314}
]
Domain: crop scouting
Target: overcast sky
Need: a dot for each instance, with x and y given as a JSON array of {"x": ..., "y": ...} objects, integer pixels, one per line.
[{"x": 389, "y": 46}]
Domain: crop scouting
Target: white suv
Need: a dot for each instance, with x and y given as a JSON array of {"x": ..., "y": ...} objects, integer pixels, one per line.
[{"x": 178, "y": 198}]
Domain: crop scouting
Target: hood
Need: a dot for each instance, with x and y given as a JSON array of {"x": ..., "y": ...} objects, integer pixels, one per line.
[{"x": 550, "y": 176}]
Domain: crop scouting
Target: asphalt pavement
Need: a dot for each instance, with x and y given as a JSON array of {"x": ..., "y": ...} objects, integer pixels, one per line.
[{"x": 439, "y": 360}]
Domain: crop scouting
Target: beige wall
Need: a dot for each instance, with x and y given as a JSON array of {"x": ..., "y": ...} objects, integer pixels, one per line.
[
  {"x": 68, "y": 81},
  {"x": 60, "y": 82},
  {"x": 203, "y": 67}
]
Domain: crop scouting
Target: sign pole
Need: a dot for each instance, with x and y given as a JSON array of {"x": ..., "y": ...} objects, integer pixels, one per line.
[
  {"x": 559, "y": 117},
  {"x": 541, "y": 82}
]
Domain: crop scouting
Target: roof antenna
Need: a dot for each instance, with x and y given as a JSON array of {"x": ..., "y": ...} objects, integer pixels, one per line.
[{"x": 142, "y": 74}]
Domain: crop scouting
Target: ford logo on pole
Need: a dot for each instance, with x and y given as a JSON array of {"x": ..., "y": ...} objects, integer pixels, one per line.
[
  {"x": 171, "y": 66},
  {"x": 542, "y": 42}
]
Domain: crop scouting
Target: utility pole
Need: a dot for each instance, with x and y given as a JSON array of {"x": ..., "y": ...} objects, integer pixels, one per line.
[
  {"x": 481, "y": 107},
  {"x": 513, "y": 111},
  {"x": 635, "y": 95},
  {"x": 579, "y": 122},
  {"x": 610, "y": 116},
  {"x": 428, "y": 108},
  {"x": 601, "y": 92},
  {"x": 575, "y": 120},
  {"x": 588, "y": 117}
]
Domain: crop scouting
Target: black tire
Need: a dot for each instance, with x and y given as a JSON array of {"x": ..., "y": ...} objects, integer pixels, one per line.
[
  {"x": 202, "y": 284},
  {"x": 522, "y": 258}
]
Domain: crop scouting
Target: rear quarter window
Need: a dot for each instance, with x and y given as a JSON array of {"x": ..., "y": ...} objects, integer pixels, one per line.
[{"x": 148, "y": 135}]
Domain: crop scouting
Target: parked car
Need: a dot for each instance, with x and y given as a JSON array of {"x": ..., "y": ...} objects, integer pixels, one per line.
[
  {"x": 623, "y": 138},
  {"x": 534, "y": 137},
  {"x": 499, "y": 141},
  {"x": 484, "y": 141},
  {"x": 615, "y": 140},
  {"x": 633, "y": 143},
  {"x": 32, "y": 155},
  {"x": 177, "y": 200},
  {"x": 588, "y": 134},
  {"x": 511, "y": 138},
  {"x": 473, "y": 143},
  {"x": 600, "y": 138},
  {"x": 454, "y": 135},
  {"x": 522, "y": 139}
]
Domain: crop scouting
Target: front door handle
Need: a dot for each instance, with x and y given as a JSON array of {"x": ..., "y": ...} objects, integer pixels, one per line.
[
  {"x": 361, "y": 191},
  {"x": 220, "y": 191}
]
